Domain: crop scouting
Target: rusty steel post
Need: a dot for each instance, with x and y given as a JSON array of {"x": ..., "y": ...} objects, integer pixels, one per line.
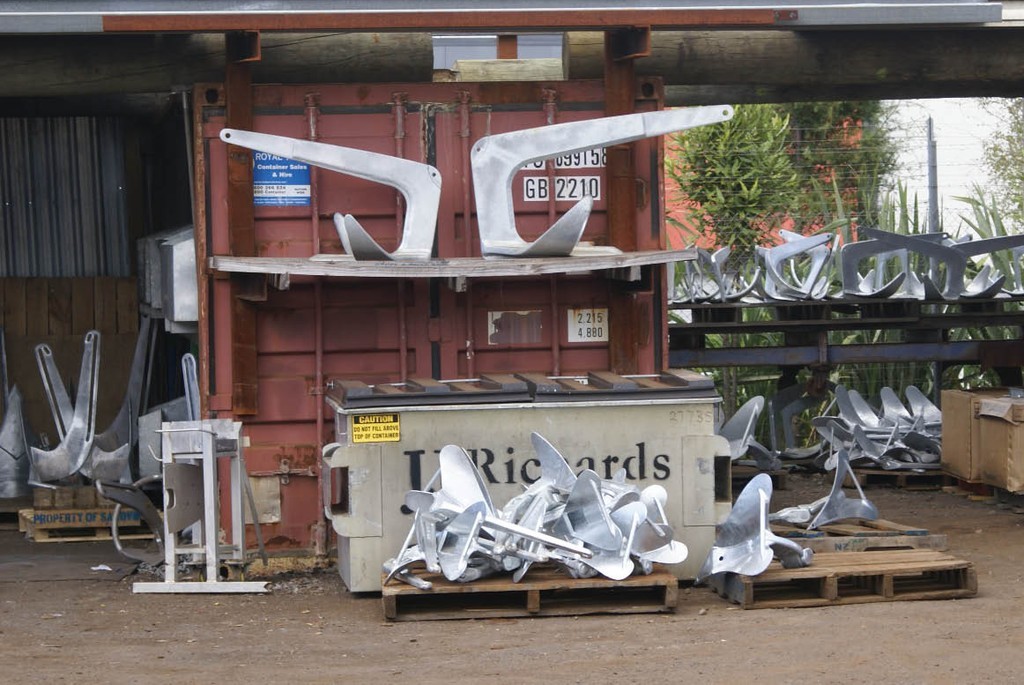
[
  {"x": 241, "y": 226},
  {"x": 398, "y": 101},
  {"x": 551, "y": 117},
  {"x": 619, "y": 82},
  {"x": 465, "y": 117},
  {"x": 508, "y": 46},
  {"x": 203, "y": 284},
  {"x": 319, "y": 529}
]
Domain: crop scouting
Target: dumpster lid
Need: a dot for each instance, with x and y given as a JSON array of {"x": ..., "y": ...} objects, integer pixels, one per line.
[
  {"x": 521, "y": 387},
  {"x": 605, "y": 385},
  {"x": 490, "y": 388}
]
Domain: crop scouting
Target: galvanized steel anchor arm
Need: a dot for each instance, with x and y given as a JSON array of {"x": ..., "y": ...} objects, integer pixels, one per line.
[
  {"x": 76, "y": 443},
  {"x": 56, "y": 393},
  {"x": 495, "y": 160},
  {"x": 419, "y": 184},
  {"x": 955, "y": 260}
]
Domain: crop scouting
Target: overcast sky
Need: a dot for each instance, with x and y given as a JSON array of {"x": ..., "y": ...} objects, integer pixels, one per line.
[{"x": 961, "y": 127}]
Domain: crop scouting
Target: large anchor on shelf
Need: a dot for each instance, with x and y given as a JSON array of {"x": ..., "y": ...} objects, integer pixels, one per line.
[
  {"x": 497, "y": 158},
  {"x": 779, "y": 262},
  {"x": 419, "y": 184},
  {"x": 928, "y": 245}
]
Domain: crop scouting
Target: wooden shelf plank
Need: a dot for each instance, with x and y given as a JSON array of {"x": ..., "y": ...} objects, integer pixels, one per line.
[{"x": 461, "y": 267}]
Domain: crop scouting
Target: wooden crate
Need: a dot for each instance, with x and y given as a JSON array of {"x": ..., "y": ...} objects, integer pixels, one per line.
[
  {"x": 69, "y": 497},
  {"x": 862, "y": 536},
  {"x": 836, "y": 578},
  {"x": 545, "y": 591}
]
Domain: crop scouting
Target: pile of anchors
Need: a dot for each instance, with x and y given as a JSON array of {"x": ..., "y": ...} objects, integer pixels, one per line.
[
  {"x": 896, "y": 436},
  {"x": 27, "y": 460},
  {"x": 586, "y": 525},
  {"x": 893, "y": 439},
  {"x": 745, "y": 542},
  {"x": 879, "y": 265}
]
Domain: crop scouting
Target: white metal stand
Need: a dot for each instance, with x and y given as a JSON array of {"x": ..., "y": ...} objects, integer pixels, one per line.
[{"x": 189, "y": 447}]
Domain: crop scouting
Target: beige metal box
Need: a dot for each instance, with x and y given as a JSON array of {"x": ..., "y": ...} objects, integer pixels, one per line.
[{"x": 383, "y": 451}]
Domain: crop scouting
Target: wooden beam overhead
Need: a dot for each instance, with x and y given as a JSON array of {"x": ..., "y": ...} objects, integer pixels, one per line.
[
  {"x": 495, "y": 20},
  {"x": 774, "y": 59}
]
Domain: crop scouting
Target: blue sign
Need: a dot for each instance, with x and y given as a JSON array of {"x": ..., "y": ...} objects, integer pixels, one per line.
[{"x": 279, "y": 182}]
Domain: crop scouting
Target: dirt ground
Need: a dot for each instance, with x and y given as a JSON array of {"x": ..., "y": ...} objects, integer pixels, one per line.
[{"x": 310, "y": 630}]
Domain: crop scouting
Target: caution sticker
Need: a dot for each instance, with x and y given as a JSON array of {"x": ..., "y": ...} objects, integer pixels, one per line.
[{"x": 376, "y": 428}]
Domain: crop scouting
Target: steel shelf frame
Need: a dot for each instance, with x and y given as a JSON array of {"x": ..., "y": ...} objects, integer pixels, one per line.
[{"x": 805, "y": 328}]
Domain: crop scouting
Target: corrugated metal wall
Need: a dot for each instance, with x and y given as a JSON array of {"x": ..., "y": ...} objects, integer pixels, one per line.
[{"x": 63, "y": 208}]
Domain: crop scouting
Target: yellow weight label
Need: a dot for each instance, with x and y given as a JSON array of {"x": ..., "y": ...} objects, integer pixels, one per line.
[{"x": 376, "y": 428}]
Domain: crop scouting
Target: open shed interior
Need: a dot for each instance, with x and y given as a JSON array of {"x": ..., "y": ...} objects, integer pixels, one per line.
[{"x": 112, "y": 164}]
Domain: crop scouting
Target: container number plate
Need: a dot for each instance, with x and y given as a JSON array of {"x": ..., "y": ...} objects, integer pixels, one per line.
[
  {"x": 567, "y": 188},
  {"x": 587, "y": 325},
  {"x": 376, "y": 428},
  {"x": 595, "y": 157}
]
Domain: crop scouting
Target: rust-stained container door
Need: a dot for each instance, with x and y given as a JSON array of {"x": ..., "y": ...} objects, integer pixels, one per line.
[{"x": 381, "y": 330}]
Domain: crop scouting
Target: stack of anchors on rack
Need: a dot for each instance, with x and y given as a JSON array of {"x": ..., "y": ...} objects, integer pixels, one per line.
[
  {"x": 80, "y": 450},
  {"x": 745, "y": 543},
  {"x": 495, "y": 159},
  {"x": 927, "y": 266},
  {"x": 582, "y": 523},
  {"x": 894, "y": 438},
  {"x": 897, "y": 437}
]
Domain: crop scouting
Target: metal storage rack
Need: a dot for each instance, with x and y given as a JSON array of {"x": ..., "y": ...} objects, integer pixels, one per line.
[{"x": 804, "y": 328}]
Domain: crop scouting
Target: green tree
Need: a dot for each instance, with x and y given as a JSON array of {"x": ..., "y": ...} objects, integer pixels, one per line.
[
  {"x": 1004, "y": 161},
  {"x": 805, "y": 165},
  {"x": 785, "y": 162},
  {"x": 738, "y": 174},
  {"x": 846, "y": 147}
]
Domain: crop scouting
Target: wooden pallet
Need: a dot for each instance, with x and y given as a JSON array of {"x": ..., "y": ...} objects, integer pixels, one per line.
[
  {"x": 863, "y": 536},
  {"x": 975, "y": 492},
  {"x": 78, "y": 525},
  {"x": 545, "y": 591},
  {"x": 12, "y": 505},
  {"x": 836, "y": 578},
  {"x": 9, "y": 508},
  {"x": 1004, "y": 499},
  {"x": 907, "y": 480}
]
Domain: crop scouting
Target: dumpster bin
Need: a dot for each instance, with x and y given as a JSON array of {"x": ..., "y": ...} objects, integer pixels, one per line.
[{"x": 660, "y": 429}]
